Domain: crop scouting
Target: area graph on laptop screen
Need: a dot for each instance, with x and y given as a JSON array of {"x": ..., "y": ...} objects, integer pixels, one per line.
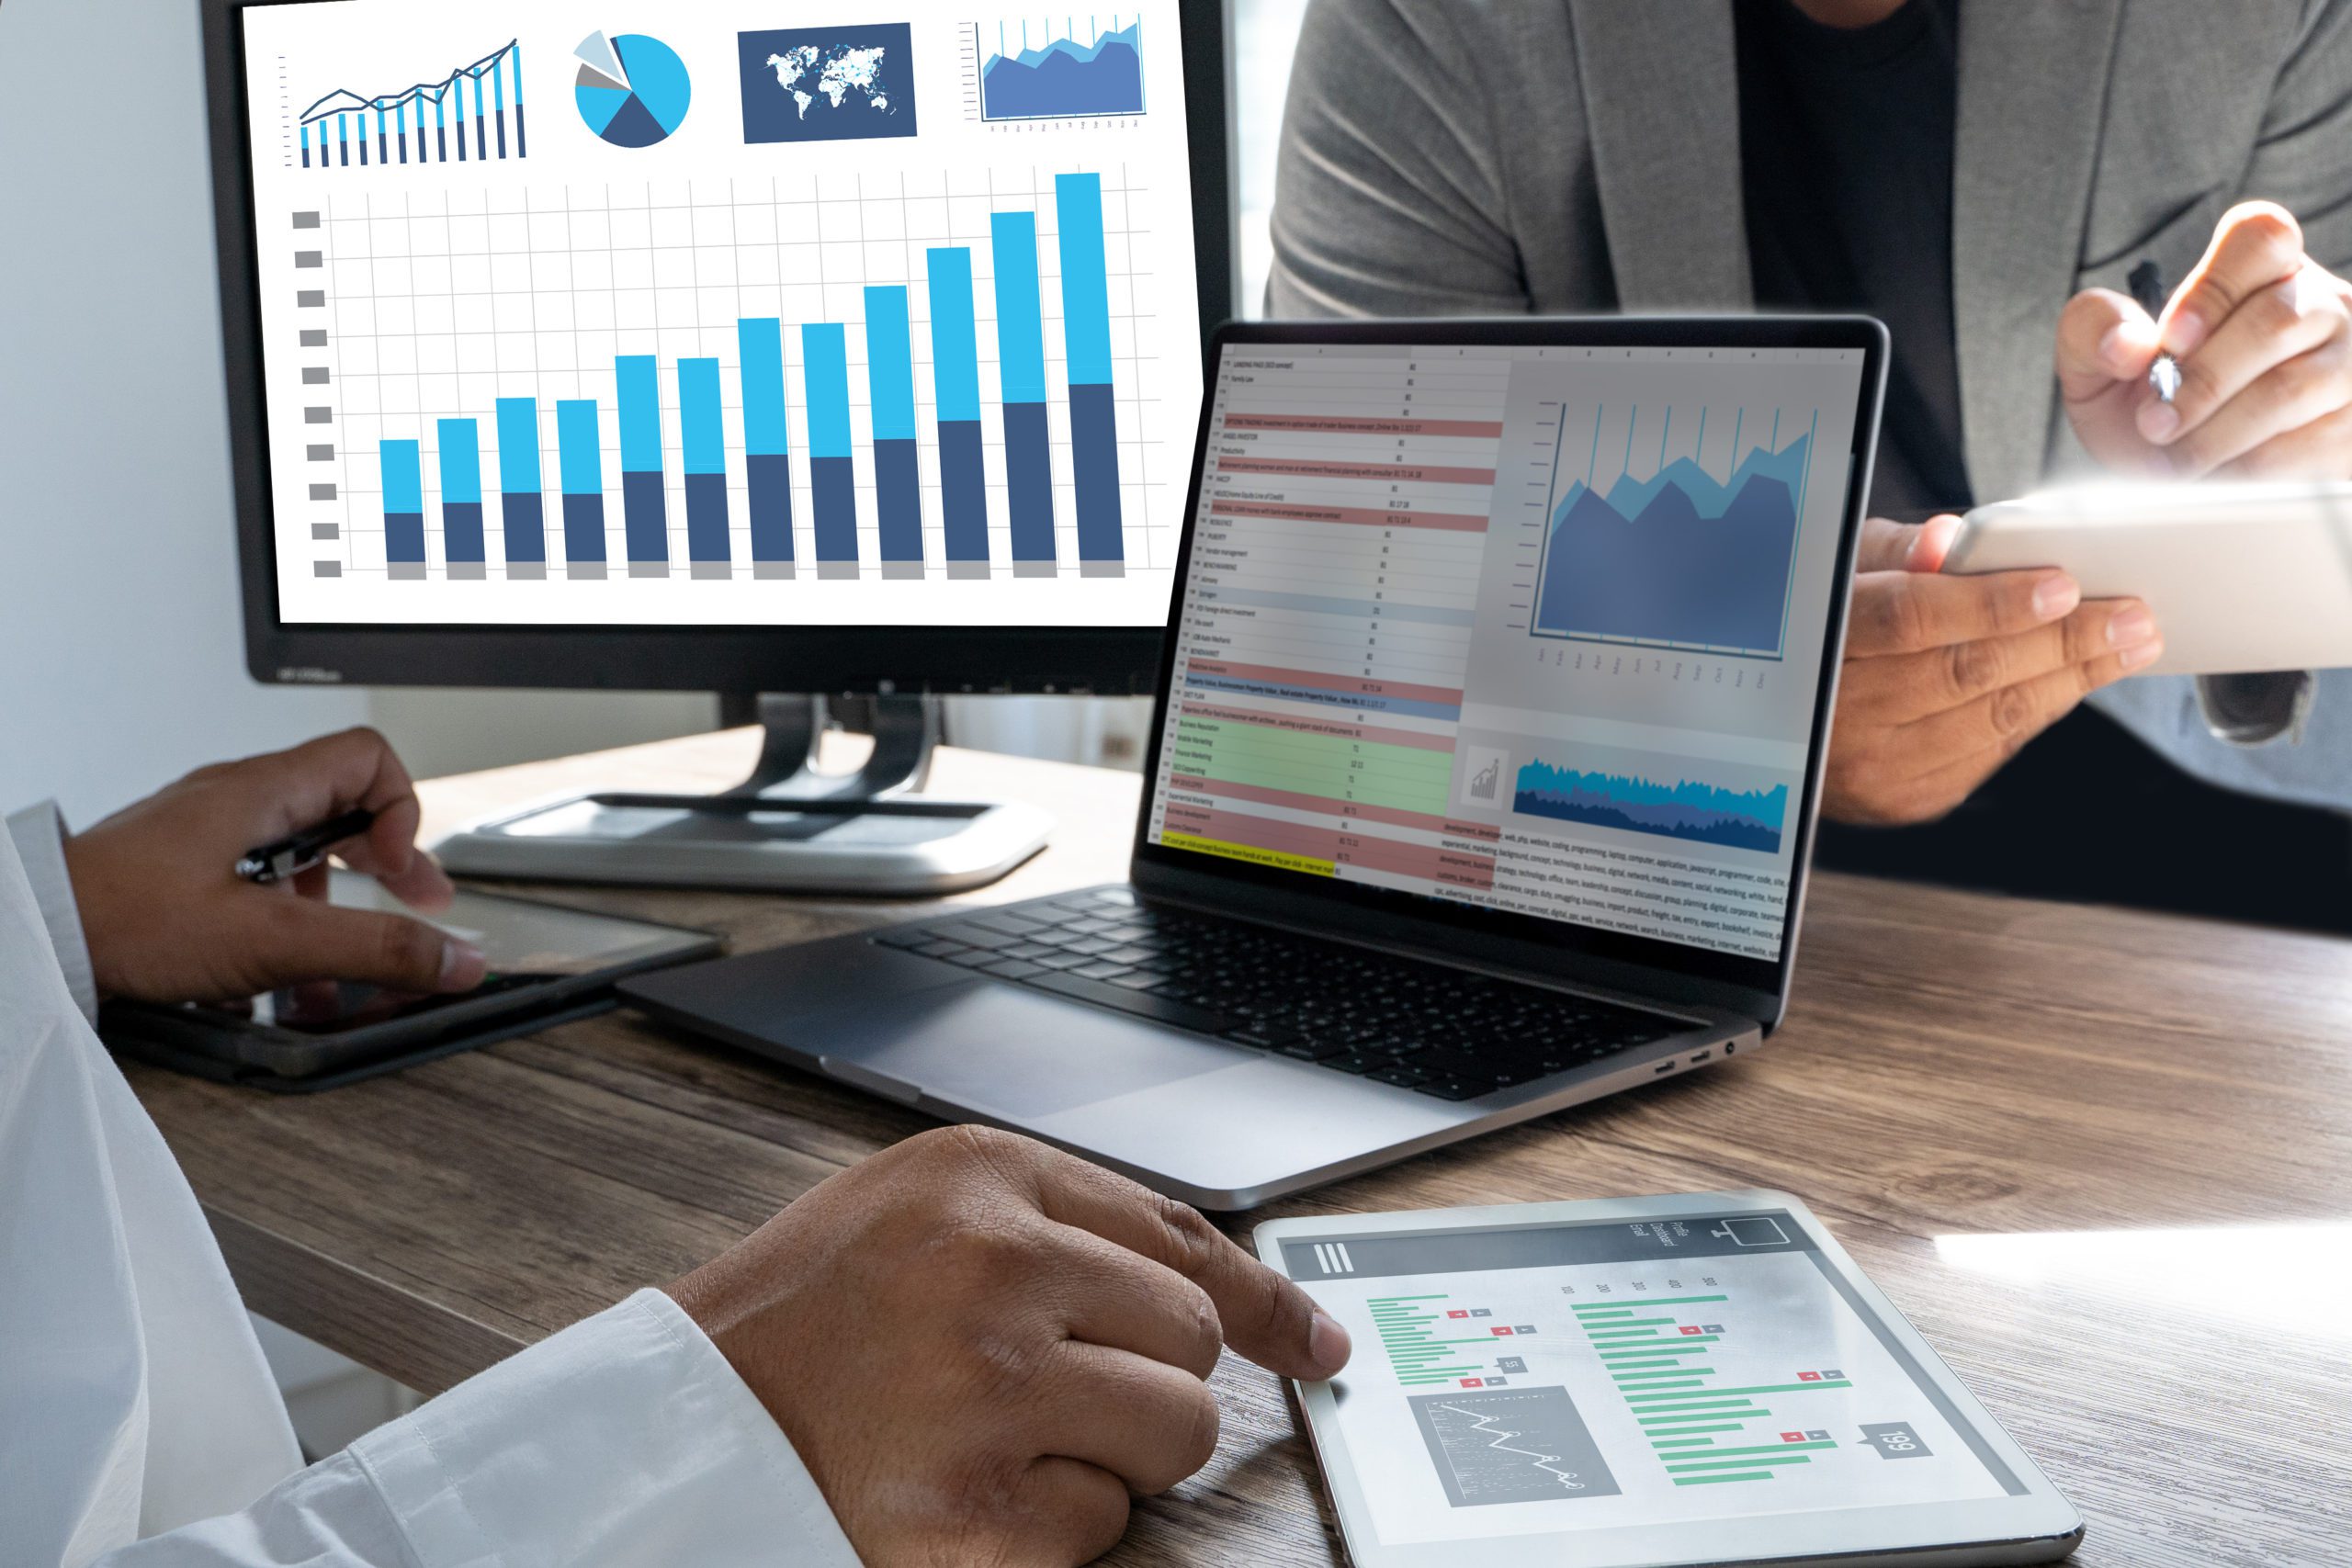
[
  {"x": 725, "y": 315},
  {"x": 1536, "y": 628}
]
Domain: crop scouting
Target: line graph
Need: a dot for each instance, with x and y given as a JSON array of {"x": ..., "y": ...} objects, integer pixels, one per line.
[
  {"x": 1679, "y": 559},
  {"x": 1518, "y": 1445},
  {"x": 1061, "y": 78},
  {"x": 347, "y": 128}
]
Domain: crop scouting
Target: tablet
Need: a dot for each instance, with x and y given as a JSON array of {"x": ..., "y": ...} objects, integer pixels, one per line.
[
  {"x": 548, "y": 964},
  {"x": 1699, "y": 1379},
  {"x": 2241, "y": 576}
]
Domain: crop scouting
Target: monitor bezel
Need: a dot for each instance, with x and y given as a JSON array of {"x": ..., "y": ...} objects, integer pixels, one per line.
[
  {"x": 906, "y": 659},
  {"x": 1644, "y": 966}
]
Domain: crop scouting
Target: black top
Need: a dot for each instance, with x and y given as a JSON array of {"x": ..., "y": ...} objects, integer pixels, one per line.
[{"x": 1845, "y": 155}]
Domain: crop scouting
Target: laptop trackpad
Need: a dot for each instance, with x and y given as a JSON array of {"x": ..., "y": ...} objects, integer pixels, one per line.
[{"x": 996, "y": 1048}]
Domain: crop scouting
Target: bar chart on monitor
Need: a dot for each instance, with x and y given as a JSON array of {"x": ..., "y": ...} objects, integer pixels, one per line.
[{"x": 983, "y": 416}]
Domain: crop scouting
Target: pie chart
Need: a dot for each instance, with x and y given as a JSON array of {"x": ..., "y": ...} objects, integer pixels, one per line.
[{"x": 632, "y": 90}]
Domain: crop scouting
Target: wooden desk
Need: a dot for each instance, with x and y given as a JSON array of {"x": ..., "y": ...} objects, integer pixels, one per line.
[{"x": 2002, "y": 1107}]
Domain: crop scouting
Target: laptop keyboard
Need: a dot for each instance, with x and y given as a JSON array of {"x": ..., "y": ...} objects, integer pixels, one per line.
[{"x": 1420, "y": 1026}]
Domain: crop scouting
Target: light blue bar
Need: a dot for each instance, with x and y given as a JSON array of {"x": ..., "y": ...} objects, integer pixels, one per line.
[
  {"x": 519, "y": 446},
  {"x": 461, "y": 461},
  {"x": 641, "y": 399},
  {"x": 578, "y": 446},
  {"x": 1086, "y": 283},
  {"x": 498, "y": 85},
  {"x": 824, "y": 349},
  {"x": 403, "y": 476},
  {"x": 760, "y": 340},
  {"x": 954, "y": 334},
  {"x": 698, "y": 420},
  {"x": 890, "y": 363},
  {"x": 515, "y": 64},
  {"x": 1020, "y": 308}
]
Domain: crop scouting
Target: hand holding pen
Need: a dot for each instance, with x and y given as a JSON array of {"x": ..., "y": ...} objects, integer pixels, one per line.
[{"x": 2259, "y": 340}]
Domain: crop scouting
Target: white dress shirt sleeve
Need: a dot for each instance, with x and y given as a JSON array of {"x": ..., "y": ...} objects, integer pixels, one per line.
[
  {"x": 39, "y": 833},
  {"x": 625, "y": 1438},
  {"x": 139, "y": 1428}
]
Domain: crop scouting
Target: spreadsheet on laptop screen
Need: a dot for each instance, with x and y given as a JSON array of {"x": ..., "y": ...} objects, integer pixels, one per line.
[{"x": 1533, "y": 628}]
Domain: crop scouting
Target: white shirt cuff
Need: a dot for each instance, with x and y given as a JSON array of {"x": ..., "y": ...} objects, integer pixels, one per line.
[
  {"x": 624, "y": 1438},
  {"x": 40, "y": 832}
]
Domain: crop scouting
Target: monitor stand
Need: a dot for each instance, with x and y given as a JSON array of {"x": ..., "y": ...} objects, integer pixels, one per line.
[{"x": 786, "y": 828}]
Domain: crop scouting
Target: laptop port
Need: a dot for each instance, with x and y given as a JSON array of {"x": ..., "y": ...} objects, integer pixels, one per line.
[
  {"x": 1662, "y": 1068},
  {"x": 1702, "y": 1057},
  {"x": 1729, "y": 1046}
]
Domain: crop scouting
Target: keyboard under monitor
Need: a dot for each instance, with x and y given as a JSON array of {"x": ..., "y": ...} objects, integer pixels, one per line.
[{"x": 1418, "y": 1025}]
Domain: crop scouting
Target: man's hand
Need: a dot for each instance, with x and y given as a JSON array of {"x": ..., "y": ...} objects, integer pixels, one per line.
[
  {"x": 169, "y": 920},
  {"x": 980, "y": 1346},
  {"x": 2264, "y": 338},
  {"x": 1946, "y": 677}
]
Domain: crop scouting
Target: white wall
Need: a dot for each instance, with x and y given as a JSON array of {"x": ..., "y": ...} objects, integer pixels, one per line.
[{"x": 121, "y": 659}]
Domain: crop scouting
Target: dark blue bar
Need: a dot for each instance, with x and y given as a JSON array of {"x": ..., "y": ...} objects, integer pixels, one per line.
[
  {"x": 1094, "y": 462},
  {"x": 462, "y": 530},
  {"x": 645, "y": 519},
  {"x": 583, "y": 528},
  {"x": 964, "y": 489},
  {"x": 770, "y": 476},
  {"x": 526, "y": 520},
  {"x": 1029, "y": 476},
  {"x": 834, "y": 482},
  {"x": 706, "y": 517},
  {"x": 898, "y": 496}
]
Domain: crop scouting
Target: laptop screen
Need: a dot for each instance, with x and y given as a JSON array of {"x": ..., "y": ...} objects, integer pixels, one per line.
[{"x": 1532, "y": 629}]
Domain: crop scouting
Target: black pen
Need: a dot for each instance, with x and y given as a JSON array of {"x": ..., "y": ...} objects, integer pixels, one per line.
[
  {"x": 2148, "y": 289},
  {"x": 299, "y": 853}
]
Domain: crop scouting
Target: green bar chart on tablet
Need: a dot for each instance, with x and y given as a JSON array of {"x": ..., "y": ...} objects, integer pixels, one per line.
[{"x": 1525, "y": 1384}]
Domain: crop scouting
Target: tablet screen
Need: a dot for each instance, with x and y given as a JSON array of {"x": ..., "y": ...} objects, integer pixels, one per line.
[{"x": 1518, "y": 1380}]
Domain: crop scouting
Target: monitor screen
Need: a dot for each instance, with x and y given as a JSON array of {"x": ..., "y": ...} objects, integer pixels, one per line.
[
  {"x": 1532, "y": 629},
  {"x": 757, "y": 317}
]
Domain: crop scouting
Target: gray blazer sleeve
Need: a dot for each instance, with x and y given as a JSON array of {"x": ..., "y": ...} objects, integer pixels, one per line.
[
  {"x": 2302, "y": 159},
  {"x": 1388, "y": 193},
  {"x": 2303, "y": 162}
]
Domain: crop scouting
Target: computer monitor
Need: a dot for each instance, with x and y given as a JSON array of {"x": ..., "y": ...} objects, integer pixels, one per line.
[{"x": 726, "y": 347}]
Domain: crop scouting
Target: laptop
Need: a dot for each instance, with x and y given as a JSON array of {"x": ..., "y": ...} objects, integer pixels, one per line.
[{"x": 1489, "y": 739}]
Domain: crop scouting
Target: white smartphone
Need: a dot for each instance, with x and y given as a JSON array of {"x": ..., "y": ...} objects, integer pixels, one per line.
[
  {"x": 1704, "y": 1377},
  {"x": 2241, "y": 576}
]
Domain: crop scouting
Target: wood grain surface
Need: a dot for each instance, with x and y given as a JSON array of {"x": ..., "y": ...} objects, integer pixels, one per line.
[{"x": 2102, "y": 1160}]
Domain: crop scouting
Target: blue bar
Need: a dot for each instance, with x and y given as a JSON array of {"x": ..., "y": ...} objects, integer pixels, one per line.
[
  {"x": 579, "y": 454},
  {"x": 824, "y": 349},
  {"x": 441, "y": 125},
  {"x": 890, "y": 382},
  {"x": 760, "y": 340},
  {"x": 706, "y": 460},
  {"x": 1086, "y": 282},
  {"x": 381, "y": 156},
  {"x": 645, "y": 516},
  {"x": 1086, "y": 331},
  {"x": 955, "y": 336},
  {"x": 343, "y": 138},
  {"x": 956, "y": 375},
  {"x": 481, "y": 115},
  {"x": 306, "y": 146},
  {"x": 458, "y": 85},
  {"x": 498, "y": 89},
  {"x": 1021, "y": 359},
  {"x": 521, "y": 506},
  {"x": 515, "y": 64},
  {"x": 404, "y": 502},
  {"x": 461, "y": 531},
  {"x": 401, "y": 109},
  {"x": 1020, "y": 308}
]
